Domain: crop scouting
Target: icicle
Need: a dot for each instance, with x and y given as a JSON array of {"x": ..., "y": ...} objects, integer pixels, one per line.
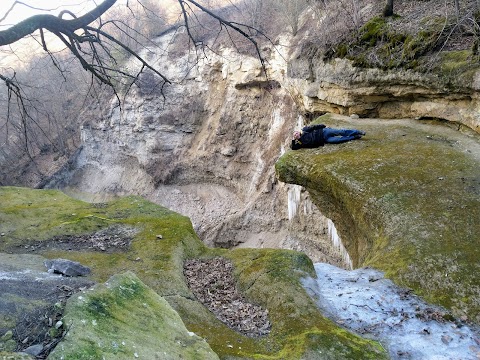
[
  {"x": 293, "y": 200},
  {"x": 338, "y": 245},
  {"x": 307, "y": 206}
]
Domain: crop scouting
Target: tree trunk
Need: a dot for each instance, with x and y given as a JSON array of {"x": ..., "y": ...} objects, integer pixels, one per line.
[
  {"x": 388, "y": 11},
  {"x": 52, "y": 23}
]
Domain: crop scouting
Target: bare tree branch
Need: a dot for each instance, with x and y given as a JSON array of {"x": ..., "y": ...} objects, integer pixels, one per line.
[
  {"x": 101, "y": 48},
  {"x": 226, "y": 24},
  {"x": 52, "y": 23}
]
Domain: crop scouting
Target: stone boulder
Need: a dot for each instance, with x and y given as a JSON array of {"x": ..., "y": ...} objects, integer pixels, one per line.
[
  {"x": 66, "y": 267},
  {"x": 124, "y": 319},
  {"x": 406, "y": 200}
]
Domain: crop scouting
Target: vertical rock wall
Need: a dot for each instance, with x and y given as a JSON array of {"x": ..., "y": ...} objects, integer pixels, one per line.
[{"x": 206, "y": 148}]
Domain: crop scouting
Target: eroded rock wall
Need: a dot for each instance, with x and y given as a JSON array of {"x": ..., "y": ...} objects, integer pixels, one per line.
[
  {"x": 206, "y": 148},
  {"x": 339, "y": 87},
  {"x": 205, "y": 145}
]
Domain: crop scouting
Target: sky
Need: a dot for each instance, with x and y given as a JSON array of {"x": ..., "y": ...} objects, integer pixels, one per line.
[
  {"x": 16, "y": 52},
  {"x": 21, "y": 12}
]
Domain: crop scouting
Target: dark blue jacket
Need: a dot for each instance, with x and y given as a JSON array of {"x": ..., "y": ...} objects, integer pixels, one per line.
[{"x": 312, "y": 137}]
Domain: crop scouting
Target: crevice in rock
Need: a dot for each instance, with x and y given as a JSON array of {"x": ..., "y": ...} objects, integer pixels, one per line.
[
  {"x": 115, "y": 238},
  {"x": 213, "y": 284}
]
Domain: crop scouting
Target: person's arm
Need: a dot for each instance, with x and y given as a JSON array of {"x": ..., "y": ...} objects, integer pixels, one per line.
[
  {"x": 296, "y": 145},
  {"x": 311, "y": 128}
]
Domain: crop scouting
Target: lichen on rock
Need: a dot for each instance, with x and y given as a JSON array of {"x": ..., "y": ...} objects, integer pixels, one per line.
[
  {"x": 124, "y": 319},
  {"x": 267, "y": 277},
  {"x": 404, "y": 199}
]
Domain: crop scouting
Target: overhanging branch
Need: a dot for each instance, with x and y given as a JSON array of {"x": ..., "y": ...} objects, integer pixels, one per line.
[{"x": 52, "y": 23}]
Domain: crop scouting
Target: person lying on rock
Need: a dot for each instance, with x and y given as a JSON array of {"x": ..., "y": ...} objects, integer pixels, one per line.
[{"x": 317, "y": 135}]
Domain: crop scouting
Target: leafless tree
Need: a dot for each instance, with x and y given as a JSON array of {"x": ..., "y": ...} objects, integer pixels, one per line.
[
  {"x": 86, "y": 38},
  {"x": 253, "y": 11},
  {"x": 290, "y": 11},
  {"x": 99, "y": 41}
]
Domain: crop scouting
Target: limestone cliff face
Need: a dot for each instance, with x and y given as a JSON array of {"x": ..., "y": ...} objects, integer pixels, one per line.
[
  {"x": 339, "y": 87},
  {"x": 206, "y": 146}
]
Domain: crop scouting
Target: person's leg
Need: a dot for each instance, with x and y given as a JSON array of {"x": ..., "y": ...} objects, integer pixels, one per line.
[
  {"x": 336, "y": 136},
  {"x": 340, "y": 139}
]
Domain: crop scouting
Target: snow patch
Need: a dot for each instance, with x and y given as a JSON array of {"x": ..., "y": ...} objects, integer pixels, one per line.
[
  {"x": 366, "y": 303},
  {"x": 338, "y": 245}
]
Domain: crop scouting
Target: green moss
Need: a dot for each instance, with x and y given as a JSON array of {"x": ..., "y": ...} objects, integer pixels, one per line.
[
  {"x": 377, "y": 44},
  {"x": 458, "y": 65},
  {"x": 14, "y": 356},
  {"x": 270, "y": 278},
  {"x": 404, "y": 200},
  {"x": 125, "y": 319},
  {"x": 374, "y": 30}
]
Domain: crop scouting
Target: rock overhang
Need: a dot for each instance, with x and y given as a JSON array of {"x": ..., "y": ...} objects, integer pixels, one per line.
[{"x": 404, "y": 199}]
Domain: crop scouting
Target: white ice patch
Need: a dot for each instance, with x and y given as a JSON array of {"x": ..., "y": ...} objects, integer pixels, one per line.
[
  {"x": 364, "y": 302},
  {"x": 338, "y": 245},
  {"x": 293, "y": 200}
]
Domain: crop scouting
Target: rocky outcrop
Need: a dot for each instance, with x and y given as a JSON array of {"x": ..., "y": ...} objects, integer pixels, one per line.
[
  {"x": 207, "y": 150},
  {"x": 206, "y": 145},
  {"x": 268, "y": 278},
  {"x": 404, "y": 199},
  {"x": 145, "y": 325},
  {"x": 338, "y": 87}
]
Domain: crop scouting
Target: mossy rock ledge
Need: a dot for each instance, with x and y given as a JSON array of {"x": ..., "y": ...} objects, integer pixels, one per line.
[
  {"x": 123, "y": 318},
  {"x": 148, "y": 283},
  {"x": 405, "y": 200}
]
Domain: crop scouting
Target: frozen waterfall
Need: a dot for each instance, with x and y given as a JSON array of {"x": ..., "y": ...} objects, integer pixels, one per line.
[
  {"x": 294, "y": 202},
  {"x": 338, "y": 245}
]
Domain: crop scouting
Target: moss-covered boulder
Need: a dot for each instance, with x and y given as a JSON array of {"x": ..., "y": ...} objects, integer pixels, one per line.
[
  {"x": 156, "y": 244},
  {"x": 124, "y": 319},
  {"x": 406, "y": 200}
]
